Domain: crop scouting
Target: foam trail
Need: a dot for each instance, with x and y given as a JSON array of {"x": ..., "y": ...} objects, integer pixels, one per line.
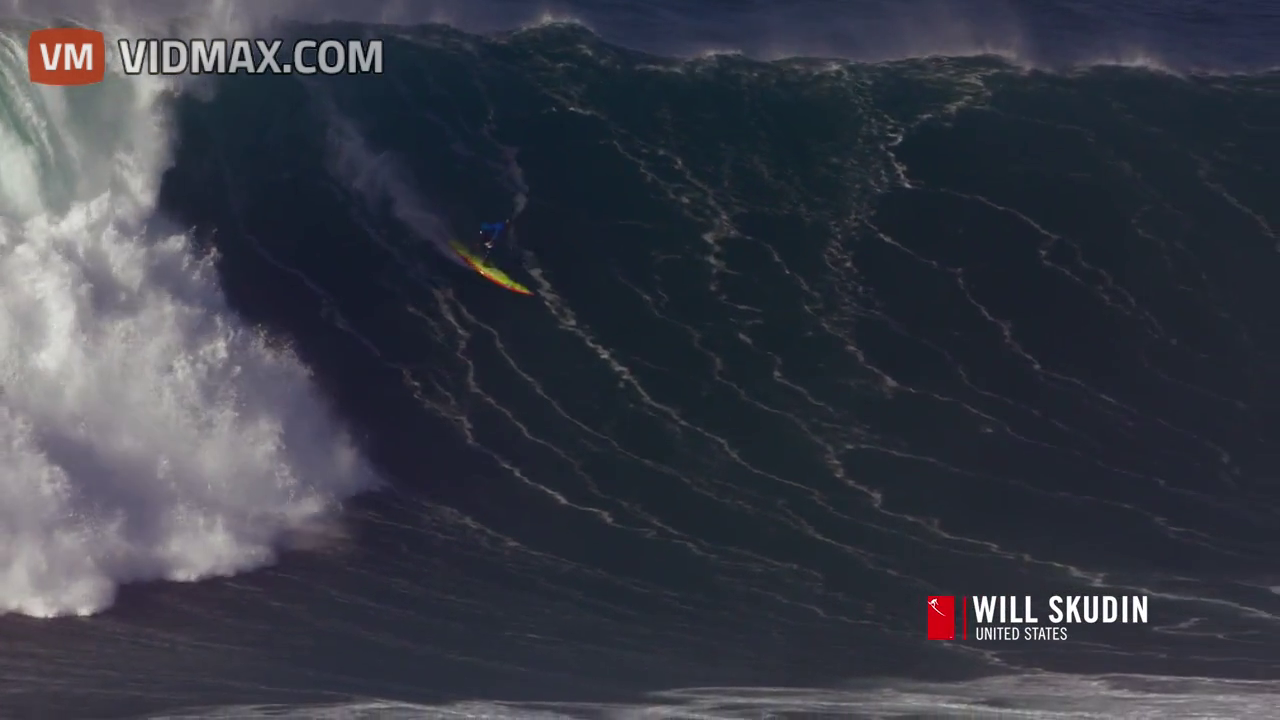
[
  {"x": 513, "y": 176},
  {"x": 379, "y": 180},
  {"x": 145, "y": 432}
]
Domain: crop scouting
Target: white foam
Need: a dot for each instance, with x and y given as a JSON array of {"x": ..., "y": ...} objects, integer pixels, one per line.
[
  {"x": 145, "y": 431},
  {"x": 1032, "y": 695}
]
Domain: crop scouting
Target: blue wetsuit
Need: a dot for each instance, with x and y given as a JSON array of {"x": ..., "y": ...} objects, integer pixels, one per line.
[{"x": 493, "y": 230}]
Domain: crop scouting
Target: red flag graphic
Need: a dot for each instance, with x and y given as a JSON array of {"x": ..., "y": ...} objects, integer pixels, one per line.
[{"x": 942, "y": 617}]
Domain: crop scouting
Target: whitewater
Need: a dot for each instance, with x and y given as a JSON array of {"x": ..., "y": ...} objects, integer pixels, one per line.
[{"x": 146, "y": 433}]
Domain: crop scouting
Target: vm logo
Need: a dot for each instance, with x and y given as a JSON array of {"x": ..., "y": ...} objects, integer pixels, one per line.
[{"x": 67, "y": 56}]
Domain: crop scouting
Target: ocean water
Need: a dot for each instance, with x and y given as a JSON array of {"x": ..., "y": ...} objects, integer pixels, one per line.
[{"x": 887, "y": 304}]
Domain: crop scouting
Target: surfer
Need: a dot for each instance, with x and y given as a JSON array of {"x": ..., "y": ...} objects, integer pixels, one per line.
[
  {"x": 481, "y": 265},
  {"x": 491, "y": 231},
  {"x": 470, "y": 255}
]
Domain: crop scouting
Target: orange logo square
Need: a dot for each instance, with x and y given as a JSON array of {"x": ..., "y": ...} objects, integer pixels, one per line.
[{"x": 67, "y": 56}]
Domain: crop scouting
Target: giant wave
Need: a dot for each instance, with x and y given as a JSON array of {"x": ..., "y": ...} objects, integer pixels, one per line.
[{"x": 152, "y": 433}]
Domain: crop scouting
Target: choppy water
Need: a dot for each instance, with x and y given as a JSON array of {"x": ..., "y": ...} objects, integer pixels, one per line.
[{"x": 812, "y": 339}]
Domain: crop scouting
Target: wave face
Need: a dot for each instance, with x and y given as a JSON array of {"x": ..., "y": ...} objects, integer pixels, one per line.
[{"x": 812, "y": 339}]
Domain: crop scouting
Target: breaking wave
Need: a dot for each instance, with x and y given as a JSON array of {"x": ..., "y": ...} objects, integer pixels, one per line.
[{"x": 145, "y": 431}]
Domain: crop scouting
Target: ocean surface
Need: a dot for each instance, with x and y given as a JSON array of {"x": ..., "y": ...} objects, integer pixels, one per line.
[{"x": 836, "y": 306}]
